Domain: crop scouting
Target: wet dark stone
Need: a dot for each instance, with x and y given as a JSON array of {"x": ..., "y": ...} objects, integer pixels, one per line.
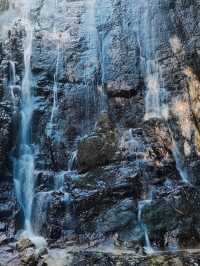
[{"x": 102, "y": 87}]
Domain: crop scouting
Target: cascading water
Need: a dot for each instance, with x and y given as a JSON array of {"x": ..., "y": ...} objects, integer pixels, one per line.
[
  {"x": 92, "y": 59},
  {"x": 60, "y": 177},
  {"x": 55, "y": 92},
  {"x": 12, "y": 74},
  {"x": 152, "y": 99},
  {"x": 155, "y": 106},
  {"x": 72, "y": 161},
  {"x": 60, "y": 39},
  {"x": 24, "y": 163},
  {"x": 59, "y": 180},
  {"x": 180, "y": 162},
  {"x": 141, "y": 205},
  {"x": 155, "y": 93},
  {"x": 41, "y": 205},
  {"x": 131, "y": 145},
  {"x": 13, "y": 85}
]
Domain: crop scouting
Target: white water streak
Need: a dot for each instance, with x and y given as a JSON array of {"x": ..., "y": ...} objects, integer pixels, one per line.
[
  {"x": 180, "y": 163},
  {"x": 55, "y": 92},
  {"x": 141, "y": 205},
  {"x": 146, "y": 37}
]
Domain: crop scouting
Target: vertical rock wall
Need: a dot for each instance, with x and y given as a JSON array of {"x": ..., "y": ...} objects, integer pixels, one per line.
[{"x": 100, "y": 115}]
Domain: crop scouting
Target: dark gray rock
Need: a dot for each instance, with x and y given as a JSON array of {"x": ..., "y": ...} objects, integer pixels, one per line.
[
  {"x": 97, "y": 149},
  {"x": 100, "y": 114},
  {"x": 118, "y": 217},
  {"x": 178, "y": 211}
]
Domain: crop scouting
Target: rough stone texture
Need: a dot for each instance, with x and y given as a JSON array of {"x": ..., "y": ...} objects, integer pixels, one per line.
[
  {"x": 100, "y": 118},
  {"x": 23, "y": 244},
  {"x": 99, "y": 257},
  {"x": 129, "y": 260},
  {"x": 175, "y": 214},
  {"x": 97, "y": 149}
]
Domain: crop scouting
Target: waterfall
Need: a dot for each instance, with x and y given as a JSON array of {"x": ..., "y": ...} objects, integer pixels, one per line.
[
  {"x": 93, "y": 60},
  {"x": 179, "y": 160},
  {"x": 24, "y": 163},
  {"x": 72, "y": 160},
  {"x": 150, "y": 67},
  {"x": 55, "y": 85},
  {"x": 180, "y": 163},
  {"x": 55, "y": 92},
  {"x": 131, "y": 145},
  {"x": 91, "y": 36},
  {"x": 41, "y": 204},
  {"x": 141, "y": 205},
  {"x": 14, "y": 89},
  {"x": 152, "y": 99},
  {"x": 59, "y": 180},
  {"x": 12, "y": 73},
  {"x": 59, "y": 38}
]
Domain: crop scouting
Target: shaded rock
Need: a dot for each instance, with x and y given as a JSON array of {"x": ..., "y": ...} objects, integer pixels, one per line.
[
  {"x": 101, "y": 258},
  {"x": 118, "y": 217},
  {"x": 9, "y": 210},
  {"x": 132, "y": 236},
  {"x": 5, "y": 136},
  {"x": 176, "y": 211},
  {"x": 123, "y": 91},
  {"x": 44, "y": 181},
  {"x": 101, "y": 196},
  {"x": 59, "y": 218},
  {"x": 99, "y": 148}
]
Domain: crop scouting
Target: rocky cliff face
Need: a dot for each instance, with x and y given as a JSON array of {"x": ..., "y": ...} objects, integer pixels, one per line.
[{"x": 115, "y": 126}]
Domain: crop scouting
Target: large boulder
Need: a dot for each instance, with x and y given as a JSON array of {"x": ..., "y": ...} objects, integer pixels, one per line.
[
  {"x": 118, "y": 217},
  {"x": 98, "y": 148},
  {"x": 175, "y": 215}
]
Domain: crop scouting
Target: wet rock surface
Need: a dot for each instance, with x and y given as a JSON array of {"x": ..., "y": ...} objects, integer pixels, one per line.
[
  {"x": 97, "y": 155},
  {"x": 79, "y": 256}
]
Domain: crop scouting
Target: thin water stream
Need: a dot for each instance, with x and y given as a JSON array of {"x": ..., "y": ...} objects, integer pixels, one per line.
[
  {"x": 141, "y": 205},
  {"x": 55, "y": 92},
  {"x": 14, "y": 88}
]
